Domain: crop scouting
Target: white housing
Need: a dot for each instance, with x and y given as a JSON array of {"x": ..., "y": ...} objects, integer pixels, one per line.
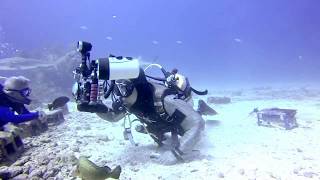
[{"x": 113, "y": 69}]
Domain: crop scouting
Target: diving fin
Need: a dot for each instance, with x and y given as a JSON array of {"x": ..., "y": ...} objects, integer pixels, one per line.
[{"x": 205, "y": 109}]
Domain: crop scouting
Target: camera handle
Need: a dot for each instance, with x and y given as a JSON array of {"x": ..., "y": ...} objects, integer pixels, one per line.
[{"x": 85, "y": 71}]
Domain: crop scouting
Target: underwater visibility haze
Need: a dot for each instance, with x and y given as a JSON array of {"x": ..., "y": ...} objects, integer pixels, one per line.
[
  {"x": 221, "y": 43},
  {"x": 231, "y": 89}
]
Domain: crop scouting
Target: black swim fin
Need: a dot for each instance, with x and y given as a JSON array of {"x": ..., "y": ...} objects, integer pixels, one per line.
[{"x": 205, "y": 109}]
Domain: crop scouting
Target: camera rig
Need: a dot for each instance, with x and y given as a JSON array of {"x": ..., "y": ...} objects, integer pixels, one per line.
[
  {"x": 95, "y": 79},
  {"x": 87, "y": 84}
]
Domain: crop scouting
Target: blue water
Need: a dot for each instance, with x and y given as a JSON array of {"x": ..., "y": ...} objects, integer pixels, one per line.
[{"x": 216, "y": 42}]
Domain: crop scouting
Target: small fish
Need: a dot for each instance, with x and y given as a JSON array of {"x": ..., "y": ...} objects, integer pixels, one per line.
[
  {"x": 87, "y": 170},
  {"x": 237, "y": 40},
  {"x": 155, "y": 42},
  {"x": 179, "y": 42},
  {"x": 58, "y": 102},
  {"x": 84, "y": 27},
  {"x": 114, "y": 16},
  {"x": 109, "y": 38},
  {"x": 204, "y": 109}
]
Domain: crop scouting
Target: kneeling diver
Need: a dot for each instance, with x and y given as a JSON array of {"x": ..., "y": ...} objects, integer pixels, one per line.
[
  {"x": 156, "y": 105},
  {"x": 158, "y": 109}
]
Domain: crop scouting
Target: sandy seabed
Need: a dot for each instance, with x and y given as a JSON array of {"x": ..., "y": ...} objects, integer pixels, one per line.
[{"x": 233, "y": 146}]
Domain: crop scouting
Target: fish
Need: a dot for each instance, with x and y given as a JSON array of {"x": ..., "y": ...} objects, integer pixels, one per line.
[
  {"x": 58, "y": 102},
  {"x": 87, "y": 170},
  {"x": 84, "y": 28},
  {"x": 237, "y": 40},
  {"x": 204, "y": 109}
]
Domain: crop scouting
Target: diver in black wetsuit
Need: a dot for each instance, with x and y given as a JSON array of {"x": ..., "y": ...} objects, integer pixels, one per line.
[
  {"x": 158, "y": 108},
  {"x": 162, "y": 107}
]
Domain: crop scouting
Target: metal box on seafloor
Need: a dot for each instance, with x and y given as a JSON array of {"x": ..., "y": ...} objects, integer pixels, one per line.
[{"x": 276, "y": 116}]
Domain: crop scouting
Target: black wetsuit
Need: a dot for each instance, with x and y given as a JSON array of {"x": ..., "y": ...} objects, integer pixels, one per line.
[{"x": 144, "y": 109}]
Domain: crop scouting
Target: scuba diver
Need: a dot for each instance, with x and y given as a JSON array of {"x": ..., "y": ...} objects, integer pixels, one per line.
[
  {"x": 162, "y": 105},
  {"x": 13, "y": 98}
]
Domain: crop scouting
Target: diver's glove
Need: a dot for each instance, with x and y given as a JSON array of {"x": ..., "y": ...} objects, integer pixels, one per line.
[
  {"x": 97, "y": 108},
  {"x": 42, "y": 116}
]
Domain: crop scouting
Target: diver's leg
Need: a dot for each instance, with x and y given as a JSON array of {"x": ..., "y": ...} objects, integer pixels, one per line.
[{"x": 192, "y": 124}]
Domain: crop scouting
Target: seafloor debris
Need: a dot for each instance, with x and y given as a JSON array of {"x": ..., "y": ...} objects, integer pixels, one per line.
[
  {"x": 218, "y": 100},
  {"x": 276, "y": 116},
  {"x": 33, "y": 128},
  {"x": 11, "y": 144}
]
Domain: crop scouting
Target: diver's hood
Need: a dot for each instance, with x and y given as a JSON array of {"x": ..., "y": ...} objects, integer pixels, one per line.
[
  {"x": 21, "y": 100},
  {"x": 1, "y": 89}
]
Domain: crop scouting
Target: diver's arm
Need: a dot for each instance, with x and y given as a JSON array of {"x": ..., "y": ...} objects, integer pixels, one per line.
[
  {"x": 115, "y": 113},
  {"x": 97, "y": 108},
  {"x": 8, "y": 116},
  {"x": 102, "y": 111},
  {"x": 24, "y": 110}
]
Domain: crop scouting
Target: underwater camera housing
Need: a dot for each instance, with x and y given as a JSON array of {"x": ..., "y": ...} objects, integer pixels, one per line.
[
  {"x": 84, "y": 47},
  {"x": 92, "y": 77}
]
